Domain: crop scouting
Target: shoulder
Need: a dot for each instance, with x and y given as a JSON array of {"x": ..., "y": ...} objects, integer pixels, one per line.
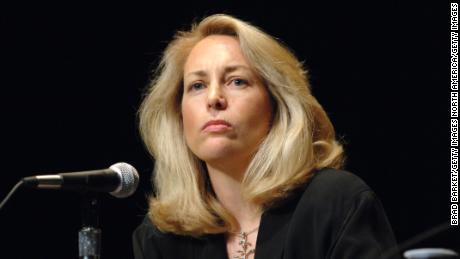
[
  {"x": 338, "y": 180},
  {"x": 326, "y": 189},
  {"x": 331, "y": 185},
  {"x": 148, "y": 230},
  {"x": 331, "y": 192},
  {"x": 150, "y": 242},
  {"x": 340, "y": 215}
]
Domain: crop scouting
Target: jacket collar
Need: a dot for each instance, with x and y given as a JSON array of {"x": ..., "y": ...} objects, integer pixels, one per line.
[
  {"x": 274, "y": 226},
  {"x": 271, "y": 238}
]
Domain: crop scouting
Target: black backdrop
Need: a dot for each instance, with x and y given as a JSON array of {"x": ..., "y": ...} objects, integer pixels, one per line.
[{"x": 72, "y": 78}]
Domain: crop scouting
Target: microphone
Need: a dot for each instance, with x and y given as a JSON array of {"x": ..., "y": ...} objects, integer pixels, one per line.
[
  {"x": 430, "y": 253},
  {"x": 120, "y": 180}
]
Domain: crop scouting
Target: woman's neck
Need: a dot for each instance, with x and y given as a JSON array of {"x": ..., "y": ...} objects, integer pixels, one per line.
[{"x": 226, "y": 183}]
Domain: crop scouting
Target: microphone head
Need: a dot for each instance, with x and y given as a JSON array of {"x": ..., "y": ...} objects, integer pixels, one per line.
[{"x": 129, "y": 179}]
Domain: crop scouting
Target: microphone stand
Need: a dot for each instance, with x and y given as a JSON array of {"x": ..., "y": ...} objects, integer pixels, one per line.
[{"x": 89, "y": 236}]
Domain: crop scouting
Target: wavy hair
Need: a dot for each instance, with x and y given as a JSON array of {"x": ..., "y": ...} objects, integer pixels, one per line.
[{"x": 301, "y": 138}]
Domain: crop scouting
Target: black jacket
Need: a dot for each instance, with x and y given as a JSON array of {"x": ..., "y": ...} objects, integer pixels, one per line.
[{"x": 334, "y": 215}]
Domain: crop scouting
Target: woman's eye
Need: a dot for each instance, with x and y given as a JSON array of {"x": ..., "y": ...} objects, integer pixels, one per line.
[
  {"x": 196, "y": 86},
  {"x": 239, "y": 82}
]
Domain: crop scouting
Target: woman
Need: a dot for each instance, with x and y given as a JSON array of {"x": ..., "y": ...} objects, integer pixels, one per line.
[{"x": 246, "y": 160}]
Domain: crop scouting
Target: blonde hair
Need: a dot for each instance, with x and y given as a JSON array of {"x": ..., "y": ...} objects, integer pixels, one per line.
[{"x": 301, "y": 138}]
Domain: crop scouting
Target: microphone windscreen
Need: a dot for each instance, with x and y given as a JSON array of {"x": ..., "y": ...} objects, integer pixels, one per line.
[{"x": 129, "y": 179}]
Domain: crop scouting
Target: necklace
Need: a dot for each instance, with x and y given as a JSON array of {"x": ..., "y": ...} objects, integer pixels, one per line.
[{"x": 244, "y": 251}]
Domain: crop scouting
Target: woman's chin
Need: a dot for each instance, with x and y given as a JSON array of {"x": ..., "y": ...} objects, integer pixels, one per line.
[
  {"x": 219, "y": 152},
  {"x": 215, "y": 154}
]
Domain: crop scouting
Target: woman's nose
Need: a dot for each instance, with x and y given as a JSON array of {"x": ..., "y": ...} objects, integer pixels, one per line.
[{"x": 216, "y": 98}]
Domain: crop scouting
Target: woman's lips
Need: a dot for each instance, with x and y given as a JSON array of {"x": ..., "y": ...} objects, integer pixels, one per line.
[{"x": 217, "y": 126}]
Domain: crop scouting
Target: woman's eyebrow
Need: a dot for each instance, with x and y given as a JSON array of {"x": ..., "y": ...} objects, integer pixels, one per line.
[
  {"x": 200, "y": 73},
  {"x": 230, "y": 69},
  {"x": 227, "y": 70}
]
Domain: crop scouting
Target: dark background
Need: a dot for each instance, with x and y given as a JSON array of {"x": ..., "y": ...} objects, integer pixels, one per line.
[{"x": 72, "y": 78}]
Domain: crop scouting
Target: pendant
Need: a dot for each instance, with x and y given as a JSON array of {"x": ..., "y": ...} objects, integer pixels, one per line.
[{"x": 244, "y": 253}]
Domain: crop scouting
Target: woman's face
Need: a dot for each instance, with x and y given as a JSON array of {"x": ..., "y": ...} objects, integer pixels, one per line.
[{"x": 226, "y": 109}]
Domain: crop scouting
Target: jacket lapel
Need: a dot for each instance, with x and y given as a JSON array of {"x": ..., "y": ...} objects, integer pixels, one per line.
[
  {"x": 275, "y": 224},
  {"x": 270, "y": 239},
  {"x": 272, "y": 233},
  {"x": 273, "y": 229}
]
